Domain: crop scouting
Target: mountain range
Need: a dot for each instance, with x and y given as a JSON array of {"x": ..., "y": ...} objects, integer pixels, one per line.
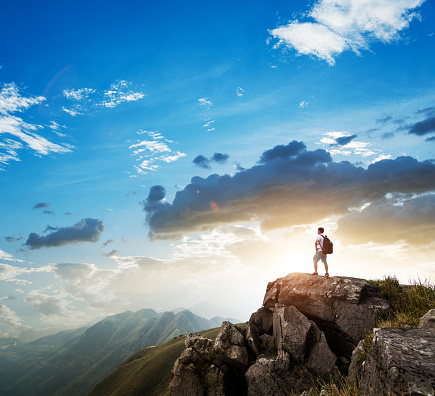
[{"x": 72, "y": 362}]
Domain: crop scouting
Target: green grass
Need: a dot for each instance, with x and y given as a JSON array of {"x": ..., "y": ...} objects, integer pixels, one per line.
[
  {"x": 147, "y": 372},
  {"x": 408, "y": 303}
]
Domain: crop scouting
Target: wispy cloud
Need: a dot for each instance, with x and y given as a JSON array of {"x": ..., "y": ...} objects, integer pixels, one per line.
[
  {"x": 85, "y": 99},
  {"x": 149, "y": 152},
  {"x": 21, "y": 134},
  {"x": 10, "y": 273},
  {"x": 340, "y": 25},
  {"x": 205, "y": 103}
]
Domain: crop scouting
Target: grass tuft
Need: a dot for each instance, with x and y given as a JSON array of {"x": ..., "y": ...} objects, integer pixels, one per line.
[{"x": 408, "y": 303}]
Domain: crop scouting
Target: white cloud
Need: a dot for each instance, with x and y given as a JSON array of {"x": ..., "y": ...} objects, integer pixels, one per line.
[
  {"x": 10, "y": 319},
  {"x": 11, "y": 100},
  {"x": 9, "y": 273},
  {"x": 23, "y": 134},
  {"x": 310, "y": 38},
  {"x": 205, "y": 103},
  {"x": 8, "y": 257},
  {"x": 303, "y": 104},
  {"x": 342, "y": 25},
  {"x": 46, "y": 304},
  {"x": 71, "y": 112},
  {"x": 85, "y": 99},
  {"x": 148, "y": 152},
  {"x": 78, "y": 94},
  {"x": 240, "y": 91},
  {"x": 119, "y": 92}
]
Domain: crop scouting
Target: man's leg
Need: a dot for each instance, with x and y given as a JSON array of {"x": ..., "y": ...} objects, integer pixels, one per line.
[
  {"x": 325, "y": 262},
  {"x": 315, "y": 267}
]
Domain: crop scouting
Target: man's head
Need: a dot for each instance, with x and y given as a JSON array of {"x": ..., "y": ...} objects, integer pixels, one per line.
[{"x": 320, "y": 230}]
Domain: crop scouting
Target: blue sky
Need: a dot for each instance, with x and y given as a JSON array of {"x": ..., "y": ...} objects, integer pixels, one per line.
[{"x": 159, "y": 155}]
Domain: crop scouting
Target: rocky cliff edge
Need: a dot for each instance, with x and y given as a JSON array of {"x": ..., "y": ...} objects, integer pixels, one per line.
[{"x": 309, "y": 327}]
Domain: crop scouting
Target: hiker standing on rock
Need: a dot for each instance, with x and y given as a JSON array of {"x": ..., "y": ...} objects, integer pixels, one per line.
[{"x": 318, "y": 244}]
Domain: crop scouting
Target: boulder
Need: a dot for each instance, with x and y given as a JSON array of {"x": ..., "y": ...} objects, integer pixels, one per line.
[
  {"x": 292, "y": 331},
  {"x": 263, "y": 320},
  {"x": 275, "y": 375},
  {"x": 252, "y": 339},
  {"x": 321, "y": 360},
  {"x": 342, "y": 307},
  {"x": 193, "y": 366},
  {"x": 428, "y": 320},
  {"x": 401, "y": 361},
  {"x": 230, "y": 345}
]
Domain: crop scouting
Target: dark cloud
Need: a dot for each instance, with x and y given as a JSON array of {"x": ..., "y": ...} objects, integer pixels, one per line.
[
  {"x": 291, "y": 186},
  {"x": 202, "y": 162},
  {"x": 67, "y": 213},
  {"x": 87, "y": 230},
  {"x": 42, "y": 205},
  {"x": 384, "y": 120},
  {"x": 342, "y": 141},
  {"x": 12, "y": 239},
  {"x": 48, "y": 212},
  {"x": 430, "y": 139},
  {"x": 387, "y": 135},
  {"x": 239, "y": 166},
  {"x": 423, "y": 127},
  {"x": 220, "y": 158},
  {"x": 105, "y": 244},
  {"x": 391, "y": 220},
  {"x": 428, "y": 111},
  {"x": 281, "y": 151},
  {"x": 113, "y": 252},
  {"x": 50, "y": 228}
]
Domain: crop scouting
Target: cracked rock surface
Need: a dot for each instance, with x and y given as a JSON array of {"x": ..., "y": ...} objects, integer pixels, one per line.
[
  {"x": 343, "y": 308},
  {"x": 400, "y": 361}
]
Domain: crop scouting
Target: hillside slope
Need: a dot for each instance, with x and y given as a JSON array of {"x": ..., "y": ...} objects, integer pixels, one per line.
[
  {"x": 147, "y": 372},
  {"x": 76, "y": 367}
]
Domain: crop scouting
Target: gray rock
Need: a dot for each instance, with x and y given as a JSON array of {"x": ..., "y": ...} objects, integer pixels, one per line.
[
  {"x": 321, "y": 360},
  {"x": 343, "y": 308},
  {"x": 276, "y": 376},
  {"x": 267, "y": 343},
  {"x": 400, "y": 361},
  {"x": 252, "y": 339},
  {"x": 356, "y": 364},
  {"x": 187, "y": 371},
  {"x": 428, "y": 320},
  {"x": 231, "y": 346},
  {"x": 303, "y": 340},
  {"x": 263, "y": 320},
  {"x": 292, "y": 331}
]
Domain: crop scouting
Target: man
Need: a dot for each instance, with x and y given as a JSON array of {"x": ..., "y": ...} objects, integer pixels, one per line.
[{"x": 319, "y": 254}]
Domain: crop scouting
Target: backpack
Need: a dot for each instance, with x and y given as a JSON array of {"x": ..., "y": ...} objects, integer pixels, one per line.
[{"x": 328, "y": 246}]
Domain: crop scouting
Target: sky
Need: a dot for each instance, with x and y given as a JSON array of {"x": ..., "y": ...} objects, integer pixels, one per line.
[{"x": 168, "y": 154}]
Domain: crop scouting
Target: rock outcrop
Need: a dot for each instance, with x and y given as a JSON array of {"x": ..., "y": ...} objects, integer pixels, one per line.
[
  {"x": 343, "y": 308},
  {"x": 401, "y": 361},
  {"x": 308, "y": 328}
]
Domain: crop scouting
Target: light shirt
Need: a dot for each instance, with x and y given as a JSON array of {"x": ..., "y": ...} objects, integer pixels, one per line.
[{"x": 319, "y": 242}]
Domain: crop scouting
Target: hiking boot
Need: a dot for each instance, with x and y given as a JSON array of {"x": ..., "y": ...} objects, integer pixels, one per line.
[
  {"x": 314, "y": 273},
  {"x": 327, "y": 275}
]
